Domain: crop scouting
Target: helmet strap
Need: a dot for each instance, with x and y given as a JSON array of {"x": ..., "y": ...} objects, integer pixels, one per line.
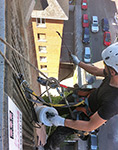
[{"x": 109, "y": 73}]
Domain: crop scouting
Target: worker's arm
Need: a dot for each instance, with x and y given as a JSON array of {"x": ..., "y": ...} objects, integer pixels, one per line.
[
  {"x": 95, "y": 122},
  {"x": 91, "y": 69},
  {"x": 88, "y": 67}
]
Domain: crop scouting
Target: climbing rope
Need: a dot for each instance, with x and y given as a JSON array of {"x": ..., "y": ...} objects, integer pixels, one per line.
[
  {"x": 11, "y": 48},
  {"x": 8, "y": 62},
  {"x": 40, "y": 100},
  {"x": 51, "y": 82}
]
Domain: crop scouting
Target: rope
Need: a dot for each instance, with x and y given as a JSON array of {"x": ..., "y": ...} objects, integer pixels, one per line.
[
  {"x": 6, "y": 43},
  {"x": 17, "y": 74},
  {"x": 35, "y": 101},
  {"x": 51, "y": 104},
  {"x": 57, "y": 82},
  {"x": 8, "y": 62}
]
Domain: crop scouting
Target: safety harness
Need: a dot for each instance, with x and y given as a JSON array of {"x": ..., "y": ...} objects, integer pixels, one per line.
[{"x": 84, "y": 95}]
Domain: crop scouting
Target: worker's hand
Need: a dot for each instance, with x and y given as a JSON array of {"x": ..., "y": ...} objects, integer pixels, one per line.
[
  {"x": 57, "y": 120},
  {"x": 75, "y": 59}
]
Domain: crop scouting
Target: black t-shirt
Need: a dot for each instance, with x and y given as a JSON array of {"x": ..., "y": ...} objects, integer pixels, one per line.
[{"x": 104, "y": 100}]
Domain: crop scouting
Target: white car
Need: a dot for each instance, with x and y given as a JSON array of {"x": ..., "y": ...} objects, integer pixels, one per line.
[
  {"x": 116, "y": 17},
  {"x": 87, "y": 55},
  {"x": 94, "y": 24}
]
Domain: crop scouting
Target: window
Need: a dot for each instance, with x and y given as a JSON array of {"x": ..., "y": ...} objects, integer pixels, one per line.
[
  {"x": 44, "y": 67},
  {"x": 42, "y": 49},
  {"x": 41, "y": 37},
  {"x": 40, "y": 22},
  {"x": 43, "y": 59}
]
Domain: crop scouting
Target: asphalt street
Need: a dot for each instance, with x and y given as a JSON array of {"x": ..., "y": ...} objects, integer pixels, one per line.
[
  {"x": 108, "y": 134},
  {"x": 102, "y": 9}
]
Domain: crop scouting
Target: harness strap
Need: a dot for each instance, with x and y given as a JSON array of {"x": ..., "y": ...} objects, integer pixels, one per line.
[
  {"x": 85, "y": 92},
  {"x": 84, "y": 95},
  {"x": 83, "y": 109}
]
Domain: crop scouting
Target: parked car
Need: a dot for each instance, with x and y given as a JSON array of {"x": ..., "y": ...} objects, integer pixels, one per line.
[
  {"x": 116, "y": 18},
  {"x": 105, "y": 24},
  {"x": 90, "y": 79},
  {"x": 84, "y": 4},
  {"x": 86, "y": 36},
  {"x": 87, "y": 55},
  {"x": 71, "y": 1},
  {"x": 94, "y": 24},
  {"x": 107, "y": 38},
  {"x": 85, "y": 20},
  {"x": 92, "y": 142}
]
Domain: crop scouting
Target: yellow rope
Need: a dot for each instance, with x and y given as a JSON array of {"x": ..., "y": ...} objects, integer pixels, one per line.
[{"x": 62, "y": 105}]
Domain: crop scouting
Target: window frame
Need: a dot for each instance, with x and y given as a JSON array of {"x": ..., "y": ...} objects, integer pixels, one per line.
[
  {"x": 45, "y": 68},
  {"x": 42, "y": 49},
  {"x": 41, "y": 22},
  {"x": 43, "y": 59},
  {"x": 39, "y": 39}
]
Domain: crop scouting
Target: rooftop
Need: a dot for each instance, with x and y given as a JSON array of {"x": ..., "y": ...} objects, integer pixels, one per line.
[{"x": 57, "y": 9}]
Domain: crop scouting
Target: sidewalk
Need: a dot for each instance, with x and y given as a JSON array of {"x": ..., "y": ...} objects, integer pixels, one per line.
[{"x": 78, "y": 46}]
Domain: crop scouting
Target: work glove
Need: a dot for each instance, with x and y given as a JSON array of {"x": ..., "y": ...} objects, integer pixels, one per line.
[
  {"x": 75, "y": 59},
  {"x": 57, "y": 120}
]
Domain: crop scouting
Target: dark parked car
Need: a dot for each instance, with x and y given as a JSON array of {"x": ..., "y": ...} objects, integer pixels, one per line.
[
  {"x": 86, "y": 36},
  {"x": 105, "y": 24},
  {"x": 92, "y": 142}
]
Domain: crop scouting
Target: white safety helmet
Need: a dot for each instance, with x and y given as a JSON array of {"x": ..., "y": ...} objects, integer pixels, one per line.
[{"x": 110, "y": 56}]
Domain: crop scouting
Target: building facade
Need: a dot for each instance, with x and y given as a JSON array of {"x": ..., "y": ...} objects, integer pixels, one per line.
[
  {"x": 46, "y": 23},
  {"x": 16, "y": 128}
]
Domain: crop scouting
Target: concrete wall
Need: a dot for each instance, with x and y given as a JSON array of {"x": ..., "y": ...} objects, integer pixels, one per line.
[
  {"x": 2, "y": 68},
  {"x": 27, "y": 8},
  {"x": 16, "y": 28}
]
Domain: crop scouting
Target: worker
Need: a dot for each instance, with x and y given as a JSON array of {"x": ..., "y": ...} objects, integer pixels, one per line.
[{"x": 103, "y": 101}]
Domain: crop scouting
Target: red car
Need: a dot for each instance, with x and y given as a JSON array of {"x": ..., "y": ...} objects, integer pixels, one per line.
[
  {"x": 84, "y": 4},
  {"x": 85, "y": 21},
  {"x": 107, "y": 38}
]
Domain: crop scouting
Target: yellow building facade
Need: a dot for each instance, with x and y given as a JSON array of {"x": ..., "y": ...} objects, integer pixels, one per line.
[
  {"x": 45, "y": 23},
  {"x": 48, "y": 44}
]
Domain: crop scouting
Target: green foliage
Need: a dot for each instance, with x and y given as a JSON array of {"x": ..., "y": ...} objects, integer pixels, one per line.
[{"x": 55, "y": 99}]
